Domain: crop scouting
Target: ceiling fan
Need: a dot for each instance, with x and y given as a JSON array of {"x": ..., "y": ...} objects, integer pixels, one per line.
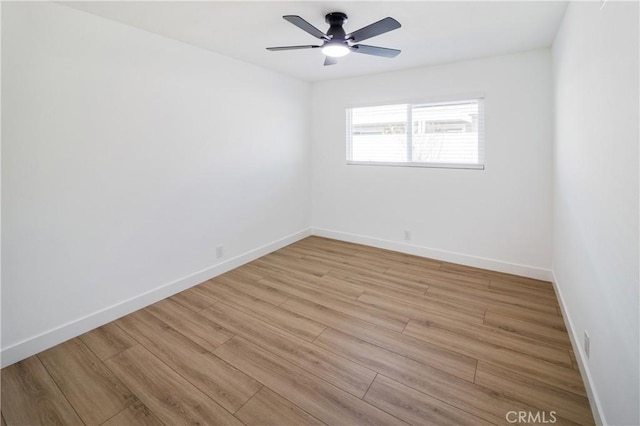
[{"x": 337, "y": 43}]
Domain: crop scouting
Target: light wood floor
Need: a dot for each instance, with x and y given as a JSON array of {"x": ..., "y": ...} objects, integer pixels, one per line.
[{"x": 320, "y": 332}]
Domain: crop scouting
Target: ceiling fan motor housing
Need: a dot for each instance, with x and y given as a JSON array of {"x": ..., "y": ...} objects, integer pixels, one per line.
[{"x": 336, "y": 20}]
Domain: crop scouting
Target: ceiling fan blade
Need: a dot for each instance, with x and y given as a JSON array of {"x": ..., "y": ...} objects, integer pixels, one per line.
[
  {"x": 307, "y": 46},
  {"x": 328, "y": 60},
  {"x": 375, "y": 50},
  {"x": 377, "y": 28},
  {"x": 305, "y": 26}
]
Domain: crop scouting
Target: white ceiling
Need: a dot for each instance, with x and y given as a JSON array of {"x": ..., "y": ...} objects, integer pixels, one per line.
[{"x": 432, "y": 31}]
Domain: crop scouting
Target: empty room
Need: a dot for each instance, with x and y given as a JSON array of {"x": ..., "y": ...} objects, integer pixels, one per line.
[{"x": 320, "y": 213}]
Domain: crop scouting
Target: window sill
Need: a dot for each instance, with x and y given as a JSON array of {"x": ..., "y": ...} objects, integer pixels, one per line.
[{"x": 416, "y": 164}]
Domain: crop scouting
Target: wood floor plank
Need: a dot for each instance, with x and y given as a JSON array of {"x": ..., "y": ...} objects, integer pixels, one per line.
[
  {"x": 254, "y": 288},
  {"x": 371, "y": 314},
  {"x": 279, "y": 257},
  {"x": 421, "y": 308},
  {"x": 330, "y": 286},
  {"x": 561, "y": 376},
  {"x": 245, "y": 274},
  {"x": 336, "y": 370},
  {"x": 315, "y": 396},
  {"x": 549, "y": 398},
  {"x": 342, "y": 264},
  {"x": 332, "y": 251},
  {"x": 541, "y": 298},
  {"x": 292, "y": 250},
  {"x": 384, "y": 279},
  {"x": 546, "y": 292},
  {"x": 287, "y": 264},
  {"x": 421, "y": 300},
  {"x": 476, "y": 272},
  {"x": 522, "y": 283},
  {"x": 107, "y": 341},
  {"x": 400, "y": 261},
  {"x": 279, "y": 271},
  {"x": 415, "y": 407},
  {"x": 507, "y": 298},
  {"x": 315, "y": 282},
  {"x": 363, "y": 284},
  {"x": 574, "y": 361},
  {"x": 480, "y": 338},
  {"x": 329, "y": 246},
  {"x": 489, "y": 298},
  {"x": 217, "y": 379},
  {"x": 347, "y": 260},
  {"x": 381, "y": 256},
  {"x": 542, "y": 333},
  {"x": 535, "y": 317},
  {"x": 319, "y": 283},
  {"x": 93, "y": 391},
  {"x": 440, "y": 278},
  {"x": 135, "y": 413},
  {"x": 408, "y": 276},
  {"x": 462, "y": 394},
  {"x": 293, "y": 323},
  {"x": 31, "y": 397},
  {"x": 206, "y": 334},
  {"x": 193, "y": 300},
  {"x": 169, "y": 396},
  {"x": 267, "y": 408},
  {"x": 445, "y": 360}
]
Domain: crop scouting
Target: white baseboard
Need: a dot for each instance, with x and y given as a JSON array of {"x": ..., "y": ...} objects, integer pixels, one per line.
[
  {"x": 447, "y": 256},
  {"x": 64, "y": 332},
  {"x": 592, "y": 394}
]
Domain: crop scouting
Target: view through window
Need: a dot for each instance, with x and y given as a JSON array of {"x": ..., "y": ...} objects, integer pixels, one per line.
[{"x": 447, "y": 134}]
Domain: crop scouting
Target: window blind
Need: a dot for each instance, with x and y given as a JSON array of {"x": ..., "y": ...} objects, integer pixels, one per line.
[{"x": 447, "y": 134}]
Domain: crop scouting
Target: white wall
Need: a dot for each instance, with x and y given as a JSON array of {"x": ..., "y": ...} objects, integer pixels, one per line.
[
  {"x": 595, "y": 261},
  {"x": 499, "y": 218},
  {"x": 126, "y": 159}
]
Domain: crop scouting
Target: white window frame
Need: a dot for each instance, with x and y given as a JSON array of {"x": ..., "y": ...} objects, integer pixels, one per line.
[{"x": 444, "y": 101}]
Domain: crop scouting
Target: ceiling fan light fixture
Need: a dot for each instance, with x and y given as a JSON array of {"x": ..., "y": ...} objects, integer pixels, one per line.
[{"x": 335, "y": 50}]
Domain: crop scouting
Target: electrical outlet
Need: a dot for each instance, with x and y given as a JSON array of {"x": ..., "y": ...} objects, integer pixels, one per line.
[
  {"x": 587, "y": 344},
  {"x": 219, "y": 252},
  {"x": 407, "y": 235}
]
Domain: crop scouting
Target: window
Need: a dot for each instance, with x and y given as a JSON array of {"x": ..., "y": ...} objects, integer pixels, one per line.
[{"x": 444, "y": 134}]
